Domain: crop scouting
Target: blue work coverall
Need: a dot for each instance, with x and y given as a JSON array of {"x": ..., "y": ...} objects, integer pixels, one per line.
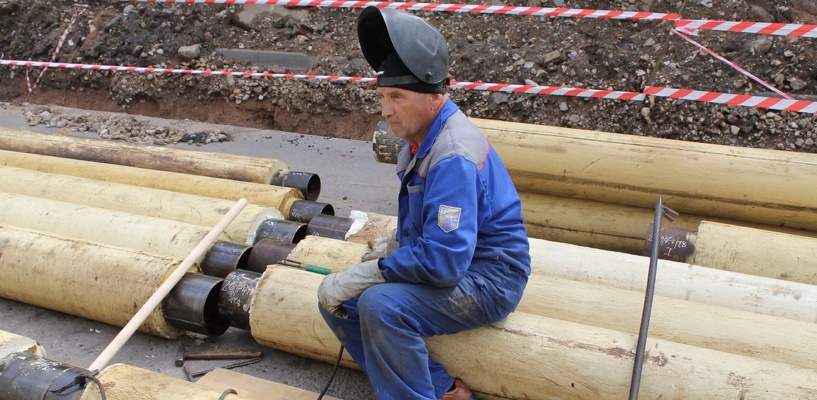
[{"x": 463, "y": 261}]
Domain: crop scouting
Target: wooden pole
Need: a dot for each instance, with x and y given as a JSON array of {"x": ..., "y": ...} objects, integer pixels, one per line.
[
  {"x": 164, "y": 158},
  {"x": 260, "y": 194},
  {"x": 164, "y": 204},
  {"x": 532, "y": 357},
  {"x": 165, "y": 288}
]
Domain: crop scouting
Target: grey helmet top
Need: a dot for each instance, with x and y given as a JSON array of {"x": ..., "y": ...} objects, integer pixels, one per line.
[{"x": 419, "y": 45}]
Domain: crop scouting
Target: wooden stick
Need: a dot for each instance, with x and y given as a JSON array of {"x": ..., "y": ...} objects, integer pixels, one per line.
[{"x": 165, "y": 288}]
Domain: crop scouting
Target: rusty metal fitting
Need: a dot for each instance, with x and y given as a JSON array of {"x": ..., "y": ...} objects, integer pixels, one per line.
[
  {"x": 673, "y": 244},
  {"x": 305, "y": 210},
  {"x": 225, "y": 257},
  {"x": 266, "y": 252},
  {"x": 329, "y": 226},
  {"x": 308, "y": 183},
  {"x": 192, "y": 305},
  {"x": 281, "y": 230},
  {"x": 235, "y": 296}
]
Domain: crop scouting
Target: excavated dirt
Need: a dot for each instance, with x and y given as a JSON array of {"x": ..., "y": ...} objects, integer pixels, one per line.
[{"x": 572, "y": 52}]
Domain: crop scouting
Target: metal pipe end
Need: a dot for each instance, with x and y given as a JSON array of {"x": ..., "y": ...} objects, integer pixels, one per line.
[
  {"x": 329, "y": 226},
  {"x": 25, "y": 376},
  {"x": 281, "y": 230},
  {"x": 305, "y": 210},
  {"x": 266, "y": 252},
  {"x": 192, "y": 305},
  {"x": 307, "y": 182},
  {"x": 673, "y": 243},
  {"x": 235, "y": 296},
  {"x": 225, "y": 257}
]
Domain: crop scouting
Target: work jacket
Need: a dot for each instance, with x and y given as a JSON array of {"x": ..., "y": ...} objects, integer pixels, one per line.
[{"x": 458, "y": 212}]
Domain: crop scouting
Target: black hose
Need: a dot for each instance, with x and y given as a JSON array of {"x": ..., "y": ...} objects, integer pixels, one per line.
[{"x": 332, "y": 377}]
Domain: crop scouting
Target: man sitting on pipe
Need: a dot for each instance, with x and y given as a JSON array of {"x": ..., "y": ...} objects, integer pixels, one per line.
[{"x": 459, "y": 258}]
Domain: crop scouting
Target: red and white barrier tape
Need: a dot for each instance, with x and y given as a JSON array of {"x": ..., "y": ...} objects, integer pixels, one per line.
[
  {"x": 765, "y": 28},
  {"x": 772, "y": 103},
  {"x": 731, "y": 64},
  {"x": 53, "y": 54},
  {"x": 802, "y": 106},
  {"x": 438, "y": 7}
]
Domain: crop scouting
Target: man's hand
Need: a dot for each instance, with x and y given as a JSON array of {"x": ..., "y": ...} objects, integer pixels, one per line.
[
  {"x": 382, "y": 247},
  {"x": 336, "y": 288}
]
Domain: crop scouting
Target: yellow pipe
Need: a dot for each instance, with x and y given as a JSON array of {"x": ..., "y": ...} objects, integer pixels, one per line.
[
  {"x": 89, "y": 280},
  {"x": 164, "y": 158},
  {"x": 110, "y": 227},
  {"x": 533, "y": 357},
  {"x": 256, "y": 193},
  {"x": 165, "y": 204}
]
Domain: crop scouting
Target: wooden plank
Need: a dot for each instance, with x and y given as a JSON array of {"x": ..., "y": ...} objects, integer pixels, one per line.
[{"x": 251, "y": 387}]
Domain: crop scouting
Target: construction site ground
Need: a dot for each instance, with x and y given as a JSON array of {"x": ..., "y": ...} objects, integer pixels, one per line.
[{"x": 351, "y": 180}]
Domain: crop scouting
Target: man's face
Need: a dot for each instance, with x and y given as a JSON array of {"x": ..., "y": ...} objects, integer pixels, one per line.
[{"x": 408, "y": 113}]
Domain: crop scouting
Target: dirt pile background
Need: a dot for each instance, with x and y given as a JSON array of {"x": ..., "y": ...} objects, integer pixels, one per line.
[{"x": 583, "y": 53}]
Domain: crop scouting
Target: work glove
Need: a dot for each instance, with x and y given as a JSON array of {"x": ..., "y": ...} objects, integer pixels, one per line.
[
  {"x": 382, "y": 247},
  {"x": 339, "y": 287}
]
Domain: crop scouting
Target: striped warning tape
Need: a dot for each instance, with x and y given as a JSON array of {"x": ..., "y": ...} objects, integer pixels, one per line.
[
  {"x": 771, "y": 103},
  {"x": 766, "y": 28},
  {"x": 802, "y": 106},
  {"x": 53, "y": 54},
  {"x": 438, "y": 7}
]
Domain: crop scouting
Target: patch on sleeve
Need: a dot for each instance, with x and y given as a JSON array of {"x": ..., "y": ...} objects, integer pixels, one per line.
[{"x": 448, "y": 219}]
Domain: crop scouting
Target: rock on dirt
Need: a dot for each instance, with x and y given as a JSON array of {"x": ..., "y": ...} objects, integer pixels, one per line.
[{"x": 582, "y": 53}]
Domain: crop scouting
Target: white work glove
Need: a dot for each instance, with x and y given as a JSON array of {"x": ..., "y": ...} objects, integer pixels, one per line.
[
  {"x": 382, "y": 247},
  {"x": 336, "y": 288}
]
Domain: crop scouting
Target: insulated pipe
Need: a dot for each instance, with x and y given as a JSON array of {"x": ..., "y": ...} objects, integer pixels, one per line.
[
  {"x": 114, "y": 228},
  {"x": 538, "y": 357},
  {"x": 751, "y": 185},
  {"x": 166, "y": 204},
  {"x": 126, "y": 382},
  {"x": 677, "y": 320},
  {"x": 13, "y": 343},
  {"x": 774, "y": 297},
  {"x": 255, "y": 193},
  {"x": 84, "y": 279},
  {"x": 164, "y": 158},
  {"x": 374, "y": 226},
  {"x": 756, "y": 252}
]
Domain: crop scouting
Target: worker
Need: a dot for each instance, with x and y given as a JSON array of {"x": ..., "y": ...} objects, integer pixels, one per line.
[{"x": 459, "y": 258}]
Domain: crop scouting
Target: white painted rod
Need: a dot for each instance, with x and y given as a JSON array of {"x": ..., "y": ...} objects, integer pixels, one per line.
[{"x": 165, "y": 288}]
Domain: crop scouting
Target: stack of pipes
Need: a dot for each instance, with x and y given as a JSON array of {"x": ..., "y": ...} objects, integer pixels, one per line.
[
  {"x": 714, "y": 333},
  {"x": 599, "y": 189}
]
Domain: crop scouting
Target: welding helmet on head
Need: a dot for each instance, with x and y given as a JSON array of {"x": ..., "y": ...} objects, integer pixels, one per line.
[{"x": 405, "y": 50}]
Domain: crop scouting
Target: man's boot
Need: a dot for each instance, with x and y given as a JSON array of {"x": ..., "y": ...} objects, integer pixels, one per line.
[{"x": 460, "y": 392}]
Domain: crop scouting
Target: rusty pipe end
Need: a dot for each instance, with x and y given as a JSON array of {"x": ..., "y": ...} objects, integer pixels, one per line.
[
  {"x": 266, "y": 252},
  {"x": 673, "y": 243},
  {"x": 192, "y": 305},
  {"x": 225, "y": 257},
  {"x": 329, "y": 226},
  {"x": 235, "y": 296},
  {"x": 305, "y": 210},
  {"x": 307, "y": 182},
  {"x": 281, "y": 230}
]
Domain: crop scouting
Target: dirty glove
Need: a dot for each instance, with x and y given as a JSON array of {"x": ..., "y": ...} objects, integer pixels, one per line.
[
  {"x": 382, "y": 247},
  {"x": 336, "y": 288}
]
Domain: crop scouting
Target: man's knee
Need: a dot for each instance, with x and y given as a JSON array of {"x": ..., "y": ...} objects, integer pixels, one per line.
[{"x": 377, "y": 305}]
